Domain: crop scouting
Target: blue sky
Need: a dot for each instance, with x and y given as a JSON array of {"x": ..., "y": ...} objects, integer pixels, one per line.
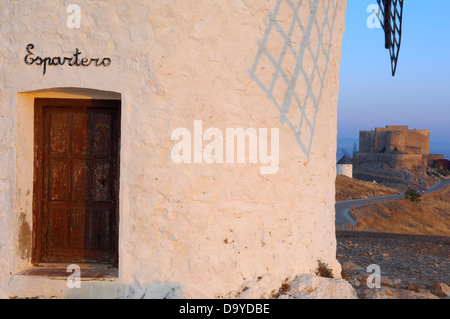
[{"x": 418, "y": 95}]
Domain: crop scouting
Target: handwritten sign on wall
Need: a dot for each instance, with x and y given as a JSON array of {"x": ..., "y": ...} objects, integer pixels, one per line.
[{"x": 74, "y": 60}]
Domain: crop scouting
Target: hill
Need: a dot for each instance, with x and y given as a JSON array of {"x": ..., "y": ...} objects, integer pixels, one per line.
[
  {"x": 429, "y": 217},
  {"x": 350, "y": 188},
  {"x": 418, "y": 178}
]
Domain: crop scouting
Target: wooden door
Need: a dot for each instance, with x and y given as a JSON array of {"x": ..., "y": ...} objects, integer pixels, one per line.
[{"x": 76, "y": 184}]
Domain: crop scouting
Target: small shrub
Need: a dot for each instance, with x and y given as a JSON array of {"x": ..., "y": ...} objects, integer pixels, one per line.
[
  {"x": 443, "y": 172},
  {"x": 323, "y": 270},
  {"x": 284, "y": 289},
  {"x": 413, "y": 196},
  {"x": 395, "y": 150}
]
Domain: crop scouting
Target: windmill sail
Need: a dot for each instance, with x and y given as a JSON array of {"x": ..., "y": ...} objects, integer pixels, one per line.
[{"x": 391, "y": 13}]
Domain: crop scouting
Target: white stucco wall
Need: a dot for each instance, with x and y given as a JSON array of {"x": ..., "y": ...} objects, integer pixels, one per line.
[
  {"x": 345, "y": 169},
  {"x": 206, "y": 230}
]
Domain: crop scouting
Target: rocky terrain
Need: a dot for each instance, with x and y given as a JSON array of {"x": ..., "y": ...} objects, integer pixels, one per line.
[
  {"x": 418, "y": 178},
  {"x": 399, "y": 179},
  {"x": 412, "y": 267},
  {"x": 401, "y": 238}
]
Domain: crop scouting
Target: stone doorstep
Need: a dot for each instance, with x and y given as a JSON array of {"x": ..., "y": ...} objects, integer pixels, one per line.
[
  {"x": 88, "y": 272},
  {"x": 50, "y": 282}
]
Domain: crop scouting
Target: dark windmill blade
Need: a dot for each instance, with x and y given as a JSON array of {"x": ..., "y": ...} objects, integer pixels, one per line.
[{"x": 391, "y": 14}]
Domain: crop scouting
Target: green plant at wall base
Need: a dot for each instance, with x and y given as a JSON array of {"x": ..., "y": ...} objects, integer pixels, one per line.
[
  {"x": 438, "y": 166},
  {"x": 413, "y": 196}
]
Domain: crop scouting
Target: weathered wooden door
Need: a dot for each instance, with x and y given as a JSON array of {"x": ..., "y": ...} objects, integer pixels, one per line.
[{"x": 76, "y": 181}]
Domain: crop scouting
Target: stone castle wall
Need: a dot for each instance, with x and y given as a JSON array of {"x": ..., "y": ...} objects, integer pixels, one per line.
[
  {"x": 395, "y": 138},
  {"x": 393, "y": 161},
  {"x": 432, "y": 159}
]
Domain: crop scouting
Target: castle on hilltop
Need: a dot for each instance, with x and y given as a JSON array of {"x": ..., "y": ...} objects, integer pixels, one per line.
[{"x": 395, "y": 146}]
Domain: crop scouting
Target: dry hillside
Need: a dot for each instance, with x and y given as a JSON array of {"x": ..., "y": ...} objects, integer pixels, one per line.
[
  {"x": 350, "y": 188},
  {"x": 429, "y": 217}
]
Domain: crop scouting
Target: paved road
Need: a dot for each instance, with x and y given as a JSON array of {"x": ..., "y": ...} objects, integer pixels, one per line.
[
  {"x": 437, "y": 187},
  {"x": 342, "y": 207}
]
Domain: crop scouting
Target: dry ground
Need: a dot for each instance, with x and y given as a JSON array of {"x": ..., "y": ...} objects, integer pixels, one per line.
[
  {"x": 348, "y": 189},
  {"x": 409, "y": 241},
  {"x": 429, "y": 217},
  {"x": 412, "y": 266}
]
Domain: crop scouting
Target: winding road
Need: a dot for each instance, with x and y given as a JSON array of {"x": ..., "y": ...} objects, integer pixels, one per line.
[{"x": 342, "y": 207}]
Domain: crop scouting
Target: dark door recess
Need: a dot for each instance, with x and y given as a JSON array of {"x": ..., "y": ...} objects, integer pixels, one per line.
[{"x": 76, "y": 181}]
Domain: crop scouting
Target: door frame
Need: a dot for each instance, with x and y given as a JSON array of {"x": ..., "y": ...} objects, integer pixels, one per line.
[{"x": 38, "y": 168}]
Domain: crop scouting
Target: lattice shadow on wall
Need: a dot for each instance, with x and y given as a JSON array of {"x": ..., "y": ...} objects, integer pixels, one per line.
[{"x": 296, "y": 78}]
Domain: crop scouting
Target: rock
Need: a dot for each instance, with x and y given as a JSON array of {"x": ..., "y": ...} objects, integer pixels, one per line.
[
  {"x": 385, "y": 281},
  {"x": 391, "y": 293},
  {"x": 349, "y": 266},
  {"x": 420, "y": 295},
  {"x": 308, "y": 286},
  {"x": 362, "y": 278},
  {"x": 382, "y": 293},
  {"x": 412, "y": 286},
  {"x": 440, "y": 289},
  {"x": 260, "y": 288}
]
